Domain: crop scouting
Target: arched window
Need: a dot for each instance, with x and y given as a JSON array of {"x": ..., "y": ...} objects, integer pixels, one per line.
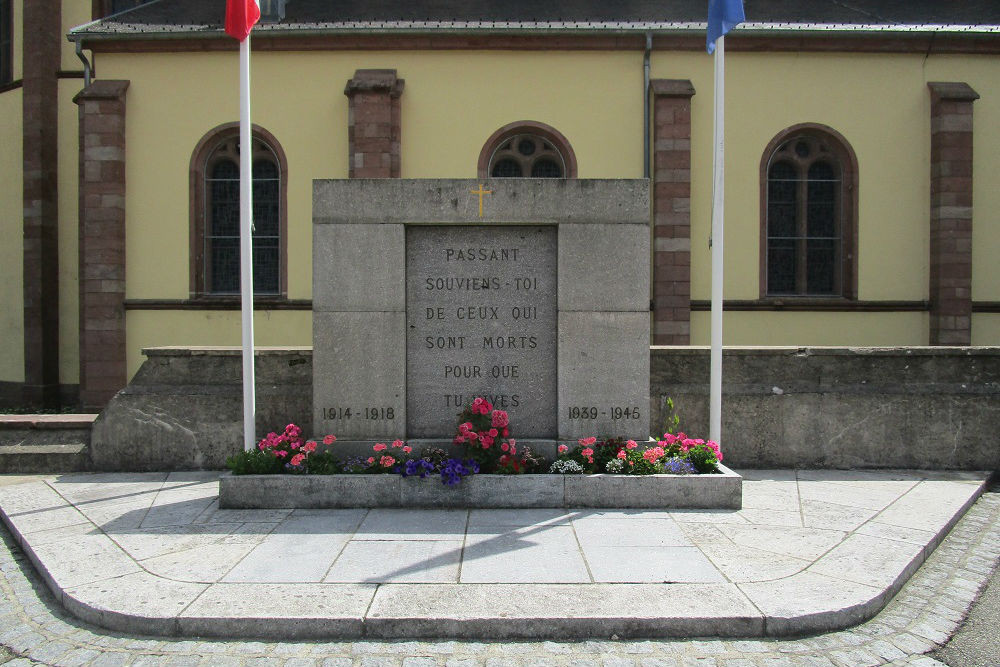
[
  {"x": 808, "y": 215},
  {"x": 527, "y": 149},
  {"x": 215, "y": 209}
]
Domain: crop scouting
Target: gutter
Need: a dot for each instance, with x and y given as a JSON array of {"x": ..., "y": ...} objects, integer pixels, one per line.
[{"x": 645, "y": 105}]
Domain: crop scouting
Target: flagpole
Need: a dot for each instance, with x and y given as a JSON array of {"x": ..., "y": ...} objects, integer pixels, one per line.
[
  {"x": 718, "y": 199},
  {"x": 246, "y": 249}
]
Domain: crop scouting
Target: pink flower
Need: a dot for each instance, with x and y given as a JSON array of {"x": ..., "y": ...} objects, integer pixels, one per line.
[
  {"x": 386, "y": 461},
  {"x": 309, "y": 447},
  {"x": 379, "y": 446},
  {"x": 563, "y": 449},
  {"x": 397, "y": 443},
  {"x": 329, "y": 439},
  {"x": 622, "y": 454},
  {"x": 407, "y": 449},
  {"x": 281, "y": 453},
  {"x": 588, "y": 452},
  {"x": 505, "y": 432},
  {"x": 586, "y": 442},
  {"x": 371, "y": 460},
  {"x": 670, "y": 438},
  {"x": 297, "y": 459},
  {"x": 493, "y": 432},
  {"x": 631, "y": 444},
  {"x": 653, "y": 454},
  {"x": 459, "y": 440},
  {"x": 513, "y": 449},
  {"x": 505, "y": 447},
  {"x": 473, "y": 436},
  {"x": 500, "y": 419}
]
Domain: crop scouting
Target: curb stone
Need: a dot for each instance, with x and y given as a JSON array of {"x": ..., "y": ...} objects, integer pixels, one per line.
[{"x": 924, "y": 615}]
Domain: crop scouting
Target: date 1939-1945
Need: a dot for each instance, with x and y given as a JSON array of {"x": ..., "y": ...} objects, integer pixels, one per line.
[
  {"x": 593, "y": 412},
  {"x": 371, "y": 412}
]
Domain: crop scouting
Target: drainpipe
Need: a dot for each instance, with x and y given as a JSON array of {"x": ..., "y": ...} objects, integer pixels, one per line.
[
  {"x": 645, "y": 105},
  {"x": 86, "y": 64}
]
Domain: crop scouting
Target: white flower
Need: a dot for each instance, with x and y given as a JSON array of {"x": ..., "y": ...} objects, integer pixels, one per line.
[{"x": 566, "y": 467}]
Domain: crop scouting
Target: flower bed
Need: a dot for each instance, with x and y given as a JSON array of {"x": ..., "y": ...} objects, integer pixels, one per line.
[
  {"x": 286, "y": 470},
  {"x": 722, "y": 490}
]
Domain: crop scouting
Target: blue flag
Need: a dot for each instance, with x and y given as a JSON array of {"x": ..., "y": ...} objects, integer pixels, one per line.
[{"x": 723, "y": 16}]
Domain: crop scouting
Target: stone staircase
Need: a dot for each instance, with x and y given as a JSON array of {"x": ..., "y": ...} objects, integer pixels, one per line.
[{"x": 45, "y": 443}]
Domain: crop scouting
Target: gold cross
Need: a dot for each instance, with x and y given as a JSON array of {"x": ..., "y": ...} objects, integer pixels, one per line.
[{"x": 481, "y": 192}]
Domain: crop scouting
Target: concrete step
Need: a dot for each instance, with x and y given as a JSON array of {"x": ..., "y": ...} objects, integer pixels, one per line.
[{"x": 45, "y": 443}]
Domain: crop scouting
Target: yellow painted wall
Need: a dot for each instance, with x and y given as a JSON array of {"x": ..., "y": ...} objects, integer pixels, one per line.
[
  {"x": 839, "y": 329},
  {"x": 153, "y": 328},
  {"x": 17, "y": 9},
  {"x": 986, "y": 329},
  {"x": 69, "y": 212},
  {"x": 12, "y": 233},
  {"x": 74, "y": 13},
  {"x": 453, "y": 101}
]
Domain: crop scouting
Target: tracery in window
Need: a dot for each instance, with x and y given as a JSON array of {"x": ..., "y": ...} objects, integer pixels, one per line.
[
  {"x": 6, "y": 42},
  {"x": 809, "y": 213},
  {"x": 527, "y": 149},
  {"x": 216, "y": 224}
]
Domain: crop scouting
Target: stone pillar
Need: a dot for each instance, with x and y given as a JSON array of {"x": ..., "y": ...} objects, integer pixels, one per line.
[
  {"x": 671, "y": 211},
  {"x": 40, "y": 100},
  {"x": 102, "y": 241},
  {"x": 373, "y": 123},
  {"x": 951, "y": 213}
]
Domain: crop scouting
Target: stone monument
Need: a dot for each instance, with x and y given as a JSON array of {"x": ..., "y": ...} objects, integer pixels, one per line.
[{"x": 533, "y": 293}]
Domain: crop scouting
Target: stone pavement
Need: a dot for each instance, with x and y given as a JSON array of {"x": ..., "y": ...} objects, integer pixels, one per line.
[{"x": 918, "y": 620}]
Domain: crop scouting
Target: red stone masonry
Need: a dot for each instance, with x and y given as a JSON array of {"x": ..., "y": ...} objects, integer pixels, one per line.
[
  {"x": 671, "y": 211},
  {"x": 42, "y": 39},
  {"x": 373, "y": 123},
  {"x": 102, "y": 241},
  {"x": 951, "y": 213}
]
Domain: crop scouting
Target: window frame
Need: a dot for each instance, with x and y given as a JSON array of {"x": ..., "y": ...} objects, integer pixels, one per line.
[
  {"x": 533, "y": 128},
  {"x": 198, "y": 211},
  {"x": 848, "y": 211}
]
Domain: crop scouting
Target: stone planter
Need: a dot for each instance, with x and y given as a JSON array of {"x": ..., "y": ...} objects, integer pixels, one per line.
[{"x": 722, "y": 491}]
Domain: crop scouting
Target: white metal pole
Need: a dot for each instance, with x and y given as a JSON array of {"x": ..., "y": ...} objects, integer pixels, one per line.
[
  {"x": 718, "y": 198},
  {"x": 246, "y": 249}
]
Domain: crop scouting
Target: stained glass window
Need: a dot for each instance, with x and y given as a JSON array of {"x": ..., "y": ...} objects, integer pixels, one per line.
[{"x": 806, "y": 223}]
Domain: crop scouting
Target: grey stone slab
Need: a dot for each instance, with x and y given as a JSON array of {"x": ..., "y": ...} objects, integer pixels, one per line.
[
  {"x": 278, "y": 611},
  {"x": 769, "y": 494},
  {"x": 138, "y": 603},
  {"x": 360, "y": 367},
  {"x": 807, "y": 543},
  {"x": 90, "y": 558},
  {"x": 931, "y": 505},
  {"x": 808, "y": 602},
  {"x": 523, "y": 200},
  {"x": 872, "y": 561},
  {"x": 542, "y": 554},
  {"x": 481, "y": 321},
  {"x": 548, "y": 611},
  {"x": 308, "y": 491},
  {"x": 873, "y": 497},
  {"x": 604, "y": 267},
  {"x": 300, "y": 549},
  {"x": 659, "y": 564},
  {"x": 142, "y": 543},
  {"x": 765, "y": 517},
  {"x": 654, "y": 491},
  {"x": 603, "y": 374},
  {"x": 403, "y": 524},
  {"x": 203, "y": 564},
  {"x": 492, "y": 518},
  {"x": 900, "y": 533},
  {"x": 484, "y": 491},
  {"x": 742, "y": 564},
  {"x": 819, "y": 514},
  {"x": 359, "y": 268},
  {"x": 398, "y": 561},
  {"x": 597, "y": 530}
]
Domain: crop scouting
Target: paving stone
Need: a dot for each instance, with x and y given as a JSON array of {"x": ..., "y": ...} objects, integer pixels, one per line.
[
  {"x": 394, "y": 524},
  {"x": 398, "y": 561},
  {"x": 546, "y": 555},
  {"x": 626, "y": 564}
]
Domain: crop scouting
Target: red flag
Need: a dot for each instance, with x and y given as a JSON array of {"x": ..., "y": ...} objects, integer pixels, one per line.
[{"x": 241, "y": 16}]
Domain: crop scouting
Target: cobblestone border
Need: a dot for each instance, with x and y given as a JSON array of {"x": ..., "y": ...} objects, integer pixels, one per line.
[{"x": 34, "y": 629}]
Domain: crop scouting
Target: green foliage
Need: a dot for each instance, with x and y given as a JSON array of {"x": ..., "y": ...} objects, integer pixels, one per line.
[
  {"x": 672, "y": 421},
  {"x": 323, "y": 463},
  {"x": 703, "y": 459},
  {"x": 255, "y": 462}
]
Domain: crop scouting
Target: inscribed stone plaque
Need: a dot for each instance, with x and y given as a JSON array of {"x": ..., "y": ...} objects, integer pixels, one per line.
[{"x": 481, "y": 321}]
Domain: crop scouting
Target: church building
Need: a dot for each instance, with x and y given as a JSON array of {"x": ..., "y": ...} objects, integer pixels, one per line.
[{"x": 862, "y": 196}]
